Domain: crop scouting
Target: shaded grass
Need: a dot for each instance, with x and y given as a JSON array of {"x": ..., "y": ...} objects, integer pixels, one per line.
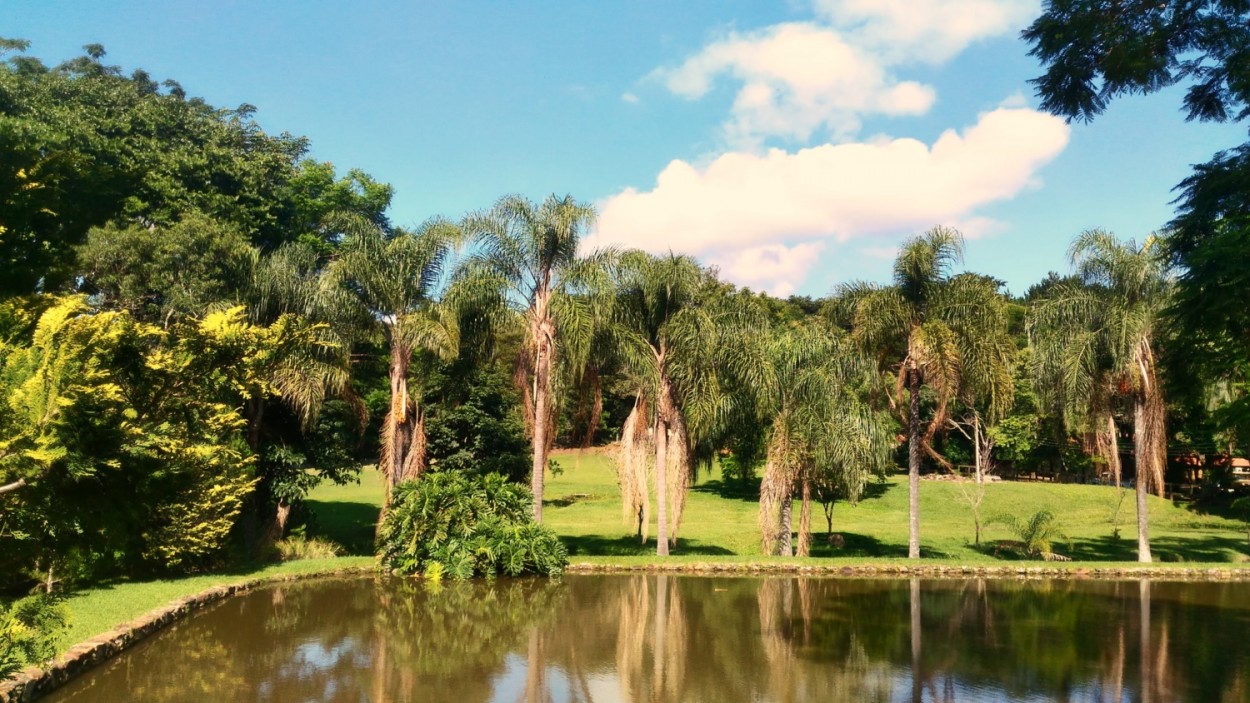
[{"x": 348, "y": 514}]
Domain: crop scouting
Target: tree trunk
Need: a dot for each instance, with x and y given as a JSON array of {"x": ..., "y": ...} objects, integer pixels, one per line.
[
  {"x": 661, "y": 483},
  {"x": 913, "y": 465},
  {"x": 403, "y": 433},
  {"x": 785, "y": 547},
  {"x": 805, "y": 520},
  {"x": 976, "y": 448},
  {"x": 542, "y": 405},
  {"x": 1141, "y": 441}
]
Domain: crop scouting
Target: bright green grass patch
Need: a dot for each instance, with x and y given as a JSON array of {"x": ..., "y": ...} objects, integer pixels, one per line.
[
  {"x": 720, "y": 522},
  {"x": 102, "y": 608},
  {"x": 348, "y": 514}
]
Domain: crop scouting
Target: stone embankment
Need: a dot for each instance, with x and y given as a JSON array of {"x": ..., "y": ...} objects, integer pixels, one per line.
[
  {"x": 921, "y": 571},
  {"x": 33, "y": 682}
]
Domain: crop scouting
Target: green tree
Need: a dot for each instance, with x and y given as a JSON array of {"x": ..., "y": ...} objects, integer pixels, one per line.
[
  {"x": 163, "y": 274},
  {"x": 676, "y": 338},
  {"x": 931, "y": 330},
  {"x": 386, "y": 283},
  {"x": 1093, "y": 53},
  {"x": 1097, "y": 338},
  {"x": 527, "y": 253},
  {"x": 820, "y": 431}
]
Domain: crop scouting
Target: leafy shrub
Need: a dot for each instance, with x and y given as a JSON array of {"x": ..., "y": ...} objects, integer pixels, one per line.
[
  {"x": 464, "y": 526},
  {"x": 29, "y": 630}
]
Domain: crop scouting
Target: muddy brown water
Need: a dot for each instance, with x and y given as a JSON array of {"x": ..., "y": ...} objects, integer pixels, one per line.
[{"x": 688, "y": 638}]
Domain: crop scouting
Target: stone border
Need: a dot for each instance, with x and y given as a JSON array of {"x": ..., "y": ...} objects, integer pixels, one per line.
[
  {"x": 921, "y": 570},
  {"x": 33, "y": 682}
]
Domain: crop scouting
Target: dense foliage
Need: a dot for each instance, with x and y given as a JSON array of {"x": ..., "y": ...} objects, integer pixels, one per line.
[
  {"x": 463, "y": 526},
  {"x": 29, "y": 630}
]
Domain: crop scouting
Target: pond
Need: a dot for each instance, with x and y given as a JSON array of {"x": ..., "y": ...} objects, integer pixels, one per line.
[{"x": 690, "y": 638}]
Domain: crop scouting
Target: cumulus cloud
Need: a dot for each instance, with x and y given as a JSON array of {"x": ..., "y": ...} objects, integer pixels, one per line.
[
  {"x": 799, "y": 78},
  {"x": 929, "y": 31},
  {"x": 764, "y": 218}
]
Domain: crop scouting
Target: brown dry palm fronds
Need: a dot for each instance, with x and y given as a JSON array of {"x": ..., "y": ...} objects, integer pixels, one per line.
[{"x": 633, "y": 468}]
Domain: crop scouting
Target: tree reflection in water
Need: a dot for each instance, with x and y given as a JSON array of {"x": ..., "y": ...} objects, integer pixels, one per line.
[{"x": 662, "y": 637}]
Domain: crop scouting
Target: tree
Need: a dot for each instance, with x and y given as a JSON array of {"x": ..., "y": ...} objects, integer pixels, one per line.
[
  {"x": 931, "y": 330},
  {"x": 386, "y": 282},
  {"x": 163, "y": 274},
  {"x": 676, "y": 337},
  {"x": 1097, "y": 338},
  {"x": 528, "y": 253},
  {"x": 820, "y": 430},
  {"x": 1093, "y": 53}
]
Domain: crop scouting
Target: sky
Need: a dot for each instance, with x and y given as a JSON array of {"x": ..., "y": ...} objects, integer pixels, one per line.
[{"x": 793, "y": 145}]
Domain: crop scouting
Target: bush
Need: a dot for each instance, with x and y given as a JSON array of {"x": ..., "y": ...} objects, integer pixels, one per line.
[
  {"x": 464, "y": 526},
  {"x": 298, "y": 547},
  {"x": 29, "y": 630}
]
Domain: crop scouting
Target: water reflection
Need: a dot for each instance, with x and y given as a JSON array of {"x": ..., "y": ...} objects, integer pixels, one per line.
[{"x": 670, "y": 638}]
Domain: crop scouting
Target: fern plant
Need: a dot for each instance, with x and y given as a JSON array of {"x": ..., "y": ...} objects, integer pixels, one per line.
[{"x": 1035, "y": 536}]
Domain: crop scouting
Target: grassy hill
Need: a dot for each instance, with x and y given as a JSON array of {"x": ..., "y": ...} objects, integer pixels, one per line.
[{"x": 583, "y": 507}]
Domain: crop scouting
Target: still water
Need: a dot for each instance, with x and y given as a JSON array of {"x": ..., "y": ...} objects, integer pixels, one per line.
[{"x": 688, "y": 638}]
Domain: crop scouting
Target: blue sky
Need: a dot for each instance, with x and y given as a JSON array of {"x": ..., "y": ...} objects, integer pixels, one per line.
[{"x": 795, "y": 143}]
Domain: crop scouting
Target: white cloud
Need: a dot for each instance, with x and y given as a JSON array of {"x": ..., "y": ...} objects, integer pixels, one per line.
[
  {"x": 629, "y": 98},
  {"x": 930, "y": 31},
  {"x": 775, "y": 268},
  {"x": 799, "y": 78},
  {"x": 796, "y": 78},
  {"x": 763, "y": 218}
]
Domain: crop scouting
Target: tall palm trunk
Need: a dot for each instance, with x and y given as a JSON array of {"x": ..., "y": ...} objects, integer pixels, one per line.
[
  {"x": 663, "y": 421},
  {"x": 805, "y": 519},
  {"x": 541, "y": 403},
  {"x": 661, "y": 485},
  {"x": 543, "y": 332},
  {"x": 913, "y": 465},
  {"x": 1149, "y": 446},
  {"x": 403, "y": 432},
  {"x": 785, "y": 544}
]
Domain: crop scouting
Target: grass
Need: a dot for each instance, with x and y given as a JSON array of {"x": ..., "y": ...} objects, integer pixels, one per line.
[
  {"x": 582, "y": 505},
  {"x": 103, "y": 607},
  {"x": 720, "y": 521}
]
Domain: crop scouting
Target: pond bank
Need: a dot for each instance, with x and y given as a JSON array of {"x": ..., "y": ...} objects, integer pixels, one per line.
[{"x": 33, "y": 682}]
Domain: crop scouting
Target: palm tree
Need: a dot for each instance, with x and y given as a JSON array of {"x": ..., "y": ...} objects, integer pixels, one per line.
[
  {"x": 820, "y": 427},
  {"x": 528, "y": 253},
  {"x": 673, "y": 334},
  {"x": 385, "y": 281},
  {"x": 1096, "y": 337},
  {"x": 930, "y": 329}
]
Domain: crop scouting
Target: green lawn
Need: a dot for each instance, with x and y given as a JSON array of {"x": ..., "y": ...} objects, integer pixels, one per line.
[
  {"x": 720, "y": 522},
  {"x": 583, "y": 507}
]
